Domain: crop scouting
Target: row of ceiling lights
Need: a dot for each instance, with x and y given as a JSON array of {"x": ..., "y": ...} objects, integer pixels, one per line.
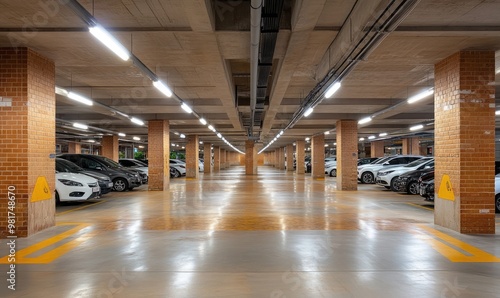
[{"x": 116, "y": 47}]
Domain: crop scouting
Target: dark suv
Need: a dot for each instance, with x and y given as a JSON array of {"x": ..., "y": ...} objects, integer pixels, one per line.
[{"x": 122, "y": 178}]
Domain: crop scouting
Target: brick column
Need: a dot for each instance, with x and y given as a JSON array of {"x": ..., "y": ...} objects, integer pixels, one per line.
[
  {"x": 207, "y": 158},
  {"x": 74, "y": 147},
  {"x": 217, "y": 158},
  {"x": 347, "y": 155},
  {"x": 192, "y": 157},
  {"x": 275, "y": 158},
  {"x": 411, "y": 146},
  {"x": 109, "y": 145},
  {"x": 250, "y": 158},
  {"x": 158, "y": 155},
  {"x": 289, "y": 158},
  {"x": 318, "y": 156},
  {"x": 300, "y": 156},
  {"x": 377, "y": 148},
  {"x": 223, "y": 159},
  {"x": 281, "y": 161},
  {"x": 464, "y": 113},
  {"x": 27, "y": 138}
]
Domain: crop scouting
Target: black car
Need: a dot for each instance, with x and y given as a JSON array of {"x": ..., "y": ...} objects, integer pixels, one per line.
[
  {"x": 426, "y": 186},
  {"x": 408, "y": 182},
  {"x": 122, "y": 178},
  {"x": 105, "y": 183}
]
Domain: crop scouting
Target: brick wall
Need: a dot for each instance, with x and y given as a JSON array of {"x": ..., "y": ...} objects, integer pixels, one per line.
[
  {"x": 207, "y": 157},
  {"x": 318, "y": 156},
  {"x": 110, "y": 148},
  {"x": 27, "y": 137},
  {"x": 464, "y": 140},
  {"x": 289, "y": 158},
  {"x": 300, "y": 155},
  {"x": 192, "y": 153},
  {"x": 158, "y": 155},
  {"x": 347, "y": 155},
  {"x": 216, "y": 158},
  {"x": 377, "y": 149}
]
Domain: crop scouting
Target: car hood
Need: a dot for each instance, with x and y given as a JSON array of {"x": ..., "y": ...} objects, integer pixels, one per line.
[
  {"x": 76, "y": 177},
  {"x": 417, "y": 173},
  {"x": 95, "y": 175}
]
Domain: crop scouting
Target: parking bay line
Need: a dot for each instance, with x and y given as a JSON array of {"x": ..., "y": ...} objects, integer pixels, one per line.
[
  {"x": 420, "y": 206},
  {"x": 22, "y": 255},
  {"x": 79, "y": 208},
  {"x": 445, "y": 246}
]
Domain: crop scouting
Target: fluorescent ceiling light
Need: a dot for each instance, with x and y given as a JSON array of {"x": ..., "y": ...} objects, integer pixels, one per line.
[
  {"x": 91, "y": 141},
  {"x": 203, "y": 121},
  {"x": 79, "y": 125},
  {"x": 140, "y": 146},
  {"x": 137, "y": 121},
  {"x": 163, "y": 88},
  {"x": 109, "y": 41},
  {"x": 308, "y": 112},
  {"x": 281, "y": 133},
  {"x": 327, "y": 132},
  {"x": 61, "y": 91},
  {"x": 497, "y": 112},
  {"x": 183, "y": 147},
  {"x": 383, "y": 134},
  {"x": 361, "y": 139},
  {"x": 79, "y": 98},
  {"x": 219, "y": 135},
  {"x": 183, "y": 136},
  {"x": 326, "y": 145},
  {"x": 334, "y": 144},
  {"x": 201, "y": 142},
  {"x": 417, "y": 127},
  {"x": 121, "y": 134},
  {"x": 186, "y": 108},
  {"x": 211, "y": 128},
  {"x": 420, "y": 96},
  {"x": 137, "y": 138},
  {"x": 365, "y": 120},
  {"x": 307, "y": 139},
  {"x": 173, "y": 145},
  {"x": 333, "y": 88},
  {"x": 371, "y": 137}
]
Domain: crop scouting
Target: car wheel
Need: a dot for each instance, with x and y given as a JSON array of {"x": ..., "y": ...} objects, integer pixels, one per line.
[
  {"x": 58, "y": 199},
  {"x": 497, "y": 203},
  {"x": 412, "y": 188},
  {"x": 177, "y": 174},
  {"x": 367, "y": 178},
  {"x": 393, "y": 184},
  {"x": 120, "y": 184},
  {"x": 333, "y": 173}
]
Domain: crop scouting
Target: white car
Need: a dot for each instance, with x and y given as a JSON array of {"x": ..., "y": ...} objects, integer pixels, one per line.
[
  {"x": 387, "y": 177},
  {"x": 75, "y": 187},
  {"x": 367, "y": 173},
  {"x": 331, "y": 168},
  {"x": 497, "y": 193}
]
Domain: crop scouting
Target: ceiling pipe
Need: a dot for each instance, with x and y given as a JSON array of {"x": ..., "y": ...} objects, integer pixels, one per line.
[{"x": 255, "y": 22}]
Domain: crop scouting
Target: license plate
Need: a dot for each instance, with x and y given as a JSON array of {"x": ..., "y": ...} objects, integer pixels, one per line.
[
  {"x": 110, "y": 184},
  {"x": 95, "y": 189}
]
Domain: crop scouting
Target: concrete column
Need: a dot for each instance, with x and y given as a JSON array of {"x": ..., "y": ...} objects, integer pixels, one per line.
[
  {"x": 109, "y": 146},
  {"x": 158, "y": 155},
  {"x": 250, "y": 158},
  {"x": 377, "y": 148},
  {"x": 207, "y": 158},
  {"x": 464, "y": 113},
  {"x": 192, "y": 157},
  {"x": 289, "y": 158},
  {"x": 27, "y": 139},
  {"x": 217, "y": 159},
  {"x": 300, "y": 156},
  {"x": 347, "y": 155},
  {"x": 411, "y": 146},
  {"x": 318, "y": 156},
  {"x": 74, "y": 147}
]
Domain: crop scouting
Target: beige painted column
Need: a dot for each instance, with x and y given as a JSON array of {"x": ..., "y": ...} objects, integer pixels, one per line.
[
  {"x": 109, "y": 145},
  {"x": 217, "y": 159},
  {"x": 158, "y": 155},
  {"x": 250, "y": 158},
  {"x": 464, "y": 113},
  {"x": 74, "y": 147},
  {"x": 289, "y": 158},
  {"x": 207, "y": 157},
  {"x": 347, "y": 155},
  {"x": 318, "y": 156},
  {"x": 377, "y": 148},
  {"x": 300, "y": 156},
  {"x": 192, "y": 157}
]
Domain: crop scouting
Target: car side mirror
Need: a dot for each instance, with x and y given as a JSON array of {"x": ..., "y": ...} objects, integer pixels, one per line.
[{"x": 99, "y": 168}]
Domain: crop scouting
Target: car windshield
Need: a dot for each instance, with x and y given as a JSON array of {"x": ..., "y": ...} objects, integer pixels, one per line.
[
  {"x": 138, "y": 163},
  {"x": 417, "y": 162},
  {"x": 381, "y": 160},
  {"x": 63, "y": 165},
  {"x": 109, "y": 162}
]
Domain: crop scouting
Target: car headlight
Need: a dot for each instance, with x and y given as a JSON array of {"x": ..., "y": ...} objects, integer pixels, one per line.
[
  {"x": 384, "y": 173},
  {"x": 70, "y": 182}
]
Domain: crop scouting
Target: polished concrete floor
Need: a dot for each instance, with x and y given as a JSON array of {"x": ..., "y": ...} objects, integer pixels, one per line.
[{"x": 272, "y": 235}]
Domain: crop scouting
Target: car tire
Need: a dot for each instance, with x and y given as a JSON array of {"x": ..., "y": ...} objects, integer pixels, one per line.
[
  {"x": 497, "y": 203},
  {"x": 393, "y": 184},
  {"x": 58, "y": 199},
  {"x": 367, "y": 178},
  {"x": 177, "y": 174},
  {"x": 333, "y": 173},
  {"x": 412, "y": 188},
  {"x": 120, "y": 184}
]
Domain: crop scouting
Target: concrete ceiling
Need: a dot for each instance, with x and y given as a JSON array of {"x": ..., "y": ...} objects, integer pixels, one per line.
[{"x": 201, "y": 49}]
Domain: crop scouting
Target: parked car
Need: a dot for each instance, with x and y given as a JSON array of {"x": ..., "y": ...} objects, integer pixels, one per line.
[
  {"x": 136, "y": 165},
  {"x": 367, "y": 173},
  {"x": 331, "y": 169},
  {"x": 497, "y": 193},
  {"x": 75, "y": 187},
  {"x": 426, "y": 186},
  {"x": 328, "y": 161},
  {"x": 408, "y": 182},
  {"x": 65, "y": 166},
  {"x": 367, "y": 160},
  {"x": 179, "y": 167},
  {"x": 388, "y": 177},
  {"x": 123, "y": 179}
]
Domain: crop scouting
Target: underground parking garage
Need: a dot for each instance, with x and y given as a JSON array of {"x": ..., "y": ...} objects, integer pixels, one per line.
[{"x": 216, "y": 148}]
